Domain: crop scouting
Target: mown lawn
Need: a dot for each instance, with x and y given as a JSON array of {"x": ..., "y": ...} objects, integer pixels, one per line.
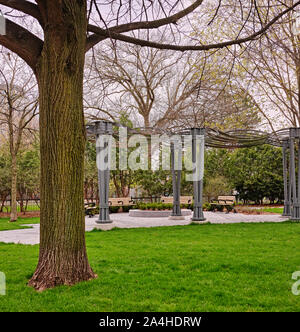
[
  {"x": 274, "y": 210},
  {"x": 29, "y": 208},
  {"x": 237, "y": 267},
  {"x": 5, "y": 225}
]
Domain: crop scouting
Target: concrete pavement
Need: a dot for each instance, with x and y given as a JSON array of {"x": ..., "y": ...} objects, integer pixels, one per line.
[{"x": 122, "y": 220}]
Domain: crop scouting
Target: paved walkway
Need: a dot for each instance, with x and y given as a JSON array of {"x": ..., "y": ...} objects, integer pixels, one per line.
[{"x": 122, "y": 220}]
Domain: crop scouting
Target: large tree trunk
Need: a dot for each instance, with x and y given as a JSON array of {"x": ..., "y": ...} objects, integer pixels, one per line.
[
  {"x": 13, "y": 195},
  {"x": 63, "y": 257}
]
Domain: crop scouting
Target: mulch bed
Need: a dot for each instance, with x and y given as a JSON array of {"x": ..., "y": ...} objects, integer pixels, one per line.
[
  {"x": 30, "y": 214},
  {"x": 253, "y": 211}
]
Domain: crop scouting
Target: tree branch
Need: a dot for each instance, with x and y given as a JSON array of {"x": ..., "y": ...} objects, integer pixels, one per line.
[
  {"x": 118, "y": 36},
  {"x": 22, "y": 42},
  {"x": 96, "y": 37},
  {"x": 25, "y": 7}
]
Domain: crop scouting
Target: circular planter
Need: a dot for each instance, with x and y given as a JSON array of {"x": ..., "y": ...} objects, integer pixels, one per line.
[{"x": 156, "y": 214}]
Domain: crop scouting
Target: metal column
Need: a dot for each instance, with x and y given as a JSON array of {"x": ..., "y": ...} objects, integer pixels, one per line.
[
  {"x": 176, "y": 180},
  {"x": 198, "y": 169},
  {"x": 103, "y": 132},
  {"x": 287, "y": 202},
  {"x": 295, "y": 204}
]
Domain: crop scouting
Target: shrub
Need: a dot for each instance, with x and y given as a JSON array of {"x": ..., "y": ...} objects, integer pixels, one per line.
[
  {"x": 154, "y": 206},
  {"x": 207, "y": 207},
  {"x": 159, "y": 206},
  {"x": 126, "y": 208},
  {"x": 140, "y": 206},
  {"x": 216, "y": 186},
  {"x": 114, "y": 209},
  {"x": 167, "y": 206},
  {"x": 187, "y": 206}
]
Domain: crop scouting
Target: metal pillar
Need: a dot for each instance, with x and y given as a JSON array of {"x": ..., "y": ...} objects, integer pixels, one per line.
[
  {"x": 103, "y": 132},
  {"x": 295, "y": 192},
  {"x": 287, "y": 202},
  {"x": 290, "y": 187},
  {"x": 176, "y": 180},
  {"x": 198, "y": 165}
]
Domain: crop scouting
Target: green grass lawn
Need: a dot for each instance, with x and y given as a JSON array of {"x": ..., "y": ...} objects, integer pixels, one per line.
[
  {"x": 273, "y": 210},
  {"x": 237, "y": 267},
  {"x": 29, "y": 208},
  {"x": 278, "y": 210},
  {"x": 5, "y": 225}
]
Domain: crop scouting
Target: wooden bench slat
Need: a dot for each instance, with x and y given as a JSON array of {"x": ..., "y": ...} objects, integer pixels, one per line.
[
  {"x": 186, "y": 199},
  {"x": 226, "y": 201},
  {"x": 183, "y": 199},
  {"x": 120, "y": 201}
]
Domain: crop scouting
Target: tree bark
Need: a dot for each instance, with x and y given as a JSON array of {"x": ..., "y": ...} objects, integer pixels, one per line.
[
  {"x": 63, "y": 258},
  {"x": 13, "y": 195}
]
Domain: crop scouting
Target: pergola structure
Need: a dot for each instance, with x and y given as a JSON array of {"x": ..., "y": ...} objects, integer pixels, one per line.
[{"x": 287, "y": 139}]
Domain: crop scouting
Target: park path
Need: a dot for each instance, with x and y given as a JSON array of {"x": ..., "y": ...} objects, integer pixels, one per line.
[{"x": 122, "y": 220}]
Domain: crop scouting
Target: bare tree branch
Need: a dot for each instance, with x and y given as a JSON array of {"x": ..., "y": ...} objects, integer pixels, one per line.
[
  {"x": 25, "y": 7},
  {"x": 22, "y": 42},
  {"x": 118, "y": 36},
  {"x": 97, "y": 37}
]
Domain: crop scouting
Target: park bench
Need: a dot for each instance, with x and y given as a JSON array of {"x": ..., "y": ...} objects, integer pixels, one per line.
[
  {"x": 183, "y": 199},
  {"x": 120, "y": 201},
  {"x": 90, "y": 209},
  {"x": 226, "y": 201},
  {"x": 186, "y": 199}
]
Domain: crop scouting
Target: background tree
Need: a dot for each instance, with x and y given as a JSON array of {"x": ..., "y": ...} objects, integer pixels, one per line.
[
  {"x": 216, "y": 186},
  {"x": 90, "y": 173},
  {"x": 255, "y": 173},
  {"x": 146, "y": 83},
  {"x": 4, "y": 175},
  {"x": 18, "y": 107},
  {"x": 271, "y": 68},
  {"x": 160, "y": 89},
  {"x": 28, "y": 167},
  {"x": 154, "y": 183}
]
